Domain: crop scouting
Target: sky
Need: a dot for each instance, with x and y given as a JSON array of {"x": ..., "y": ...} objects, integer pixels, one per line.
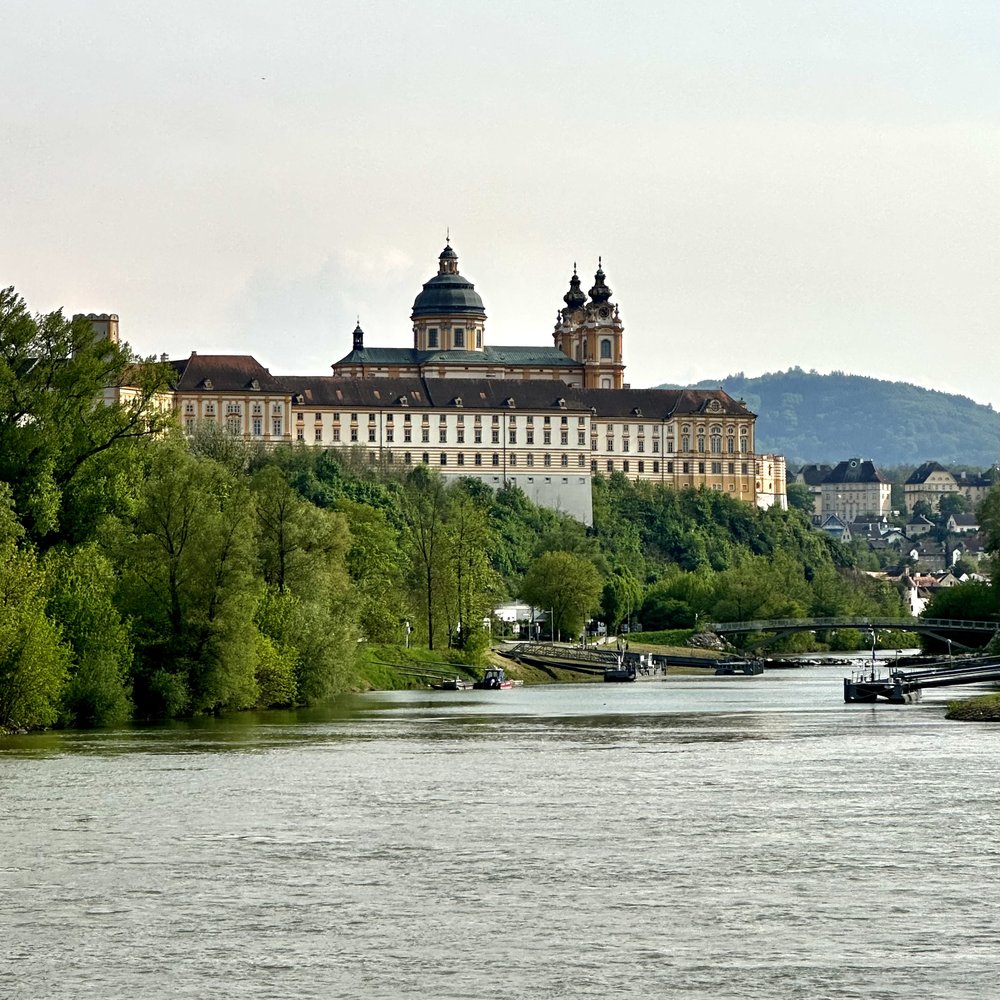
[{"x": 769, "y": 183}]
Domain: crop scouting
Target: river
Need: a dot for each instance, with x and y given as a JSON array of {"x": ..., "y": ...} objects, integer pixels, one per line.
[{"x": 731, "y": 837}]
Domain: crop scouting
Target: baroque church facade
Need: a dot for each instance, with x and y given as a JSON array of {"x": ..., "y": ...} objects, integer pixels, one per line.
[{"x": 543, "y": 418}]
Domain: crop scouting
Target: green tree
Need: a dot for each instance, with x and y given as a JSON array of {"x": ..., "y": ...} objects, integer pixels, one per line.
[
  {"x": 375, "y": 565},
  {"x": 81, "y": 602},
  {"x": 474, "y": 583},
  {"x": 952, "y": 503},
  {"x": 34, "y": 662},
  {"x": 187, "y": 584},
  {"x": 308, "y": 607},
  {"x": 566, "y": 584},
  {"x": 424, "y": 511},
  {"x": 620, "y": 599},
  {"x": 57, "y": 412},
  {"x": 800, "y": 498}
]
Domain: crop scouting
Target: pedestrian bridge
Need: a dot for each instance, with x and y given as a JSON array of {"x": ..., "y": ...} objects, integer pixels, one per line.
[{"x": 940, "y": 628}]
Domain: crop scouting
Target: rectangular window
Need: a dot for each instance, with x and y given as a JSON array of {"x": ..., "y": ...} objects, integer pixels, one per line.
[
  {"x": 625, "y": 466},
  {"x": 564, "y": 437},
  {"x": 716, "y": 468},
  {"x": 495, "y": 437},
  {"x": 444, "y": 458},
  {"x": 425, "y": 435},
  {"x": 531, "y": 459},
  {"x": 318, "y": 434},
  {"x": 371, "y": 435},
  {"x": 581, "y": 439},
  {"x": 656, "y": 466},
  {"x": 276, "y": 427},
  {"x": 388, "y": 436},
  {"x": 460, "y": 434},
  {"x": 354, "y": 433},
  {"x": 611, "y": 465},
  {"x": 547, "y": 460},
  {"x": 432, "y": 337},
  {"x": 459, "y": 335},
  {"x": 477, "y": 436},
  {"x": 642, "y": 445},
  {"x": 443, "y": 436},
  {"x": 479, "y": 459},
  {"x": 512, "y": 436},
  {"x": 686, "y": 468},
  {"x": 258, "y": 426},
  {"x": 625, "y": 445},
  {"x": 461, "y": 459},
  {"x": 701, "y": 468},
  {"x": 407, "y": 435},
  {"x": 642, "y": 466},
  {"x": 300, "y": 434}
]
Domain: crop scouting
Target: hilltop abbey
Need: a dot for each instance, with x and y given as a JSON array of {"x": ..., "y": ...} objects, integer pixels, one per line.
[{"x": 544, "y": 418}]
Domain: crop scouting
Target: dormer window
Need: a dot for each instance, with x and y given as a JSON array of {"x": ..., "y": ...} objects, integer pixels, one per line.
[
  {"x": 254, "y": 385},
  {"x": 403, "y": 401},
  {"x": 561, "y": 403},
  {"x": 207, "y": 383},
  {"x": 509, "y": 402},
  {"x": 458, "y": 401}
]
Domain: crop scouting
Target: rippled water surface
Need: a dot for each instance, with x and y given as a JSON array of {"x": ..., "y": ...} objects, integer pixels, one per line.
[{"x": 693, "y": 837}]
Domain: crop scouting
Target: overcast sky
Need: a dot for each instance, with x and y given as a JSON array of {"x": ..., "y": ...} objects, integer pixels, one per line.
[{"x": 770, "y": 182}]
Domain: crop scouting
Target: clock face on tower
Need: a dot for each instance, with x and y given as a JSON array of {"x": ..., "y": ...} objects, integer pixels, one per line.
[{"x": 604, "y": 313}]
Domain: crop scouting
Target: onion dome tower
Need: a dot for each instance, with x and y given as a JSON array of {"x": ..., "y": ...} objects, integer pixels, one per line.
[
  {"x": 448, "y": 314},
  {"x": 591, "y": 332}
]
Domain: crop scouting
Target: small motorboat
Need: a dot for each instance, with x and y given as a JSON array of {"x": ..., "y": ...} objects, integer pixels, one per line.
[{"x": 494, "y": 680}]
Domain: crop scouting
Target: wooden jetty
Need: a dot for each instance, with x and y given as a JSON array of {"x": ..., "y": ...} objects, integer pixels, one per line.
[{"x": 901, "y": 686}]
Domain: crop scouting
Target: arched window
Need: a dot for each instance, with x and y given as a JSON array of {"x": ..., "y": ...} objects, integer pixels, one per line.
[{"x": 605, "y": 349}]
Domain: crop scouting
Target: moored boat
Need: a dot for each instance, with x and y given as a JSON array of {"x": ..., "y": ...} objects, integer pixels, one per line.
[{"x": 494, "y": 679}]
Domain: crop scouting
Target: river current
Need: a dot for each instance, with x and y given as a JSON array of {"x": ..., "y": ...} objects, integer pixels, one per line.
[{"x": 731, "y": 837}]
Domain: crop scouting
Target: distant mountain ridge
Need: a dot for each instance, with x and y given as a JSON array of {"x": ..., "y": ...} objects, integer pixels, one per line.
[{"x": 808, "y": 417}]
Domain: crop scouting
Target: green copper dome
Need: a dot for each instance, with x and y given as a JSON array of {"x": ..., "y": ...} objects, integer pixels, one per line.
[{"x": 448, "y": 292}]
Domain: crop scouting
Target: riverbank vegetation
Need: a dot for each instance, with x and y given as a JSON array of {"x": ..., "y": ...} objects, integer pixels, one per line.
[
  {"x": 148, "y": 575},
  {"x": 985, "y": 708}
]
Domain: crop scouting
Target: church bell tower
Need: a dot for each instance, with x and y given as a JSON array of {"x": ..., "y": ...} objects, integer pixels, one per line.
[{"x": 591, "y": 332}]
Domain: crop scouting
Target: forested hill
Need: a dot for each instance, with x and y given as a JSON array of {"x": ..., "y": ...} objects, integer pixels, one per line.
[{"x": 808, "y": 417}]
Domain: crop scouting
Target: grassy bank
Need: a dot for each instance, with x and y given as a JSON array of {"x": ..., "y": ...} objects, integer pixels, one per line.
[{"x": 985, "y": 708}]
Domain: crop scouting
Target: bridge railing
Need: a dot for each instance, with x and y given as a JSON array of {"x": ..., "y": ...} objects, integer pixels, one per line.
[{"x": 895, "y": 624}]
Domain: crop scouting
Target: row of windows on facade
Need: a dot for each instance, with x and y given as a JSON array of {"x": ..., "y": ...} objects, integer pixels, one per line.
[
  {"x": 457, "y": 337},
  {"x": 233, "y": 423},
  {"x": 511, "y": 460},
  {"x": 714, "y": 433},
  {"x": 580, "y": 352}
]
